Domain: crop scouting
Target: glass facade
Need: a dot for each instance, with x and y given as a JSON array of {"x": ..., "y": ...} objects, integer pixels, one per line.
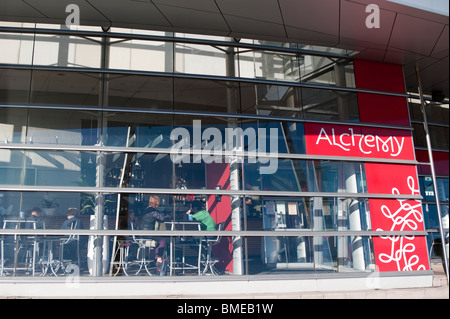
[
  {"x": 115, "y": 153},
  {"x": 438, "y": 125}
]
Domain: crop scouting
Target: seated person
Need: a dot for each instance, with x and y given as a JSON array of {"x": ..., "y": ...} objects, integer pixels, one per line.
[
  {"x": 35, "y": 219},
  {"x": 202, "y": 216},
  {"x": 154, "y": 220},
  {"x": 72, "y": 221}
]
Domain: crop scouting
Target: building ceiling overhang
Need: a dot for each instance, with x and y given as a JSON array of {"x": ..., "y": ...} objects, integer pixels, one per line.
[{"x": 406, "y": 35}]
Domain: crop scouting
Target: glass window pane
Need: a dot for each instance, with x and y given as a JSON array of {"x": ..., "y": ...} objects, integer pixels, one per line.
[
  {"x": 65, "y": 88},
  {"x": 155, "y": 56},
  {"x": 13, "y": 124},
  {"x": 329, "y": 105},
  {"x": 269, "y": 65},
  {"x": 275, "y": 136},
  {"x": 204, "y": 59},
  {"x": 270, "y": 100},
  {"x": 11, "y": 164},
  {"x": 322, "y": 70},
  {"x": 443, "y": 189},
  {"x": 17, "y": 48},
  {"x": 14, "y": 86},
  {"x": 206, "y": 95},
  {"x": 337, "y": 177},
  {"x": 70, "y": 127},
  {"x": 305, "y": 176},
  {"x": 439, "y": 136},
  {"x": 139, "y": 91},
  {"x": 67, "y": 51},
  {"x": 138, "y": 170},
  {"x": 415, "y": 112},
  {"x": 58, "y": 168},
  {"x": 137, "y": 130},
  {"x": 436, "y": 112},
  {"x": 419, "y": 135}
]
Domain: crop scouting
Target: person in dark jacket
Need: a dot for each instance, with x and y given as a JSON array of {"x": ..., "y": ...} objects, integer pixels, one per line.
[
  {"x": 72, "y": 221},
  {"x": 71, "y": 250},
  {"x": 154, "y": 220}
]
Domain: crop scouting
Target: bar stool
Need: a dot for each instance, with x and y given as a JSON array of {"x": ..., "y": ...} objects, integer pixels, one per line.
[{"x": 210, "y": 242}]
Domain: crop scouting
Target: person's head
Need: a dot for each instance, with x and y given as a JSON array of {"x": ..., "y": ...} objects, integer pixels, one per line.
[
  {"x": 35, "y": 211},
  {"x": 153, "y": 201},
  {"x": 196, "y": 206},
  {"x": 72, "y": 212}
]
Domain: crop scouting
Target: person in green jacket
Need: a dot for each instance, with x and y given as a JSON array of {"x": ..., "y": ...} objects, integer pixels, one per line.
[{"x": 202, "y": 216}]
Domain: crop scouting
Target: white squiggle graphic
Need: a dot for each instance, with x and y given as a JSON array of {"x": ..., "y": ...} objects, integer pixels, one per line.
[{"x": 406, "y": 217}]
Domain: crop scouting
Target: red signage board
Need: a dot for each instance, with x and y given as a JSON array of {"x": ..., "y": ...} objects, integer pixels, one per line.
[
  {"x": 396, "y": 253},
  {"x": 392, "y": 253},
  {"x": 356, "y": 141}
]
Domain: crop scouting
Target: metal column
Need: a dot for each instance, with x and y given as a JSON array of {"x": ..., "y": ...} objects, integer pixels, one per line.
[{"x": 433, "y": 173}]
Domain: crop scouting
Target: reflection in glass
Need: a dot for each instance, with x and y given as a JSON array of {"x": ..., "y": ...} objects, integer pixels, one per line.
[
  {"x": 67, "y": 127},
  {"x": 141, "y": 55},
  {"x": 306, "y": 176},
  {"x": 67, "y": 51},
  {"x": 206, "y": 95},
  {"x": 13, "y": 124},
  {"x": 138, "y": 91},
  {"x": 57, "y": 168},
  {"x": 327, "y": 71},
  {"x": 271, "y": 100},
  {"x": 137, "y": 130},
  {"x": 319, "y": 104},
  {"x": 14, "y": 86},
  {"x": 17, "y": 48},
  {"x": 309, "y": 254},
  {"x": 204, "y": 59},
  {"x": 269, "y": 65},
  {"x": 138, "y": 170},
  {"x": 11, "y": 168},
  {"x": 65, "y": 88},
  {"x": 289, "y": 136},
  {"x": 439, "y": 137}
]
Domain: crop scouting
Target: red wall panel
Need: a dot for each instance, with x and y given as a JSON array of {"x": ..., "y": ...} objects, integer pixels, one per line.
[
  {"x": 218, "y": 174},
  {"x": 376, "y": 108},
  {"x": 396, "y": 253},
  {"x": 383, "y": 109},
  {"x": 441, "y": 162}
]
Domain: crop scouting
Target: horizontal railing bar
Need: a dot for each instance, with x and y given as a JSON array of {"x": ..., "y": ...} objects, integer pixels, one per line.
[
  {"x": 180, "y": 233},
  {"x": 118, "y": 190}
]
